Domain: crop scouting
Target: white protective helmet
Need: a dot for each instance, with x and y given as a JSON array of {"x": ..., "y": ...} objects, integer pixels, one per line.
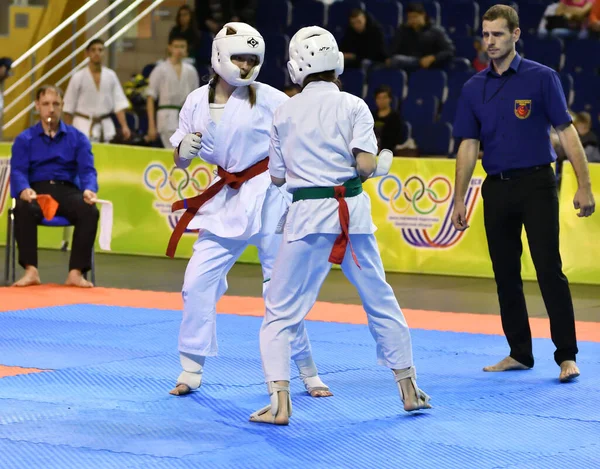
[
  {"x": 313, "y": 50},
  {"x": 246, "y": 40}
]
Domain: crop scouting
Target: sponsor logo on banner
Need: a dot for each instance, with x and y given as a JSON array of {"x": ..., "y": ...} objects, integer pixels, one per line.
[
  {"x": 4, "y": 183},
  {"x": 421, "y": 209},
  {"x": 172, "y": 184}
]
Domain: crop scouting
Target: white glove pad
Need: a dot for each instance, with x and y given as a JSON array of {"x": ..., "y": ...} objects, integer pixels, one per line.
[
  {"x": 384, "y": 163},
  {"x": 190, "y": 146}
]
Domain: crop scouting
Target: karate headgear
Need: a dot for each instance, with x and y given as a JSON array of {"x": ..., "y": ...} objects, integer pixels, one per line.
[
  {"x": 313, "y": 50},
  {"x": 246, "y": 40}
]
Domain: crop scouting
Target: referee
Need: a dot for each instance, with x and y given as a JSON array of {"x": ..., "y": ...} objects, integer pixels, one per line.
[{"x": 509, "y": 107}]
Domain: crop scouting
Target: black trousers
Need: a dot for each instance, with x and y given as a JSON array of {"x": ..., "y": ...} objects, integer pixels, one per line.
[
  {"x": 71, "y": 206},
  {"x": 528, "y": 198}
]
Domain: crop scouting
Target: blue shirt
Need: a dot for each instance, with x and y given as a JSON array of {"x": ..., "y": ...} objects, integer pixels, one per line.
[
  {"x": 511, "y": 114},
  {"x": 66, "y": 157}
]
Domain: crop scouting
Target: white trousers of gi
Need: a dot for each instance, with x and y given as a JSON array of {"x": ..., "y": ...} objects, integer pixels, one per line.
[
  {"x": 300, "y": 270},
  {"x": 206, "y": 282}
]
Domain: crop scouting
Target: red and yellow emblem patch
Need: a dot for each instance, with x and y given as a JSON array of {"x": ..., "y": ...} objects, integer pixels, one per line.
[{"x": 522, "y": 108}]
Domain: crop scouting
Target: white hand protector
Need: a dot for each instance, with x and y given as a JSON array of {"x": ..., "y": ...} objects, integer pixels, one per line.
[
  {"x": 190, "y": 146},
  {"x": 384, "y": 163}
]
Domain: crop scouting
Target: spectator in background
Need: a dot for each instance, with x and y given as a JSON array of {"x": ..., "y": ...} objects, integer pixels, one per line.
[
  {"x": 5, "y": 64},
  {"x": 566, "y": 19},
  {"x": 388, "y": 122},
  {"x": 185, "y": 26},
  {"x": 481, "y": 60},
  {"x": 418, "y": 43},
  {"x": 93, "y": 94},
  {"x": 291, "y": 90},
  {"x": 363, "y": 40},
  {"x": 170, "y": 83},
  {"x": 589, "y": 140},
  {"x": 213, "y": 14},
  {"x": 594, "y": 19}
]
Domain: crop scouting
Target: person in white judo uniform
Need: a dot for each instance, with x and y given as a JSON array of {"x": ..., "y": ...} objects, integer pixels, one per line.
[
  {"x": 169, "y": 83},
  {"x": 323, "y": 146},
  {"x": 227, "y": 123},
  {"x": 92, "y": 95}
]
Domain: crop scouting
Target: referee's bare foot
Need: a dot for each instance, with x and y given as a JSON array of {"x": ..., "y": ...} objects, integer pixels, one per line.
[
  {"x": 180, "y": 390},
  {"x": 568, "y": 371},
  {"x": 75, "y": 279},
  {"x": 507, "y": 364},
  {"x": 31, "y": 277}
]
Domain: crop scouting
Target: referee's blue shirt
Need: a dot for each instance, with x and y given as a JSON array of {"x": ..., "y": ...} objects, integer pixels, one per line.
[
  {"x": 66, "y": 157},
  {"x": 511, "y": 114}
]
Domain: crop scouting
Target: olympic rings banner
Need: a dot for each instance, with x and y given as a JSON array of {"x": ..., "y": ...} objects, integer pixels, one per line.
[{"x": 412, "y": 207}]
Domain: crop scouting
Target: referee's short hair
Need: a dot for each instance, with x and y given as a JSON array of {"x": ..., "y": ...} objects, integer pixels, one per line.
[
  {"x": 503, "y": 11},
  {"x": 44, "y": 88}
]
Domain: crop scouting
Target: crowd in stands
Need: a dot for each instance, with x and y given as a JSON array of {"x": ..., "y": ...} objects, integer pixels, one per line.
[{"x": 408, "y": 60}]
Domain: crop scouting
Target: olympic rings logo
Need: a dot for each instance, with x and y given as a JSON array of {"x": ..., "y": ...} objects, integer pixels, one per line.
[
  {"x": 423, "y": 198},
  {"x": 176, "y": 183}
]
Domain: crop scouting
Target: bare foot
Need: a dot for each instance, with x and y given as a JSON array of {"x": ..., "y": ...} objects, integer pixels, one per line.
[
  {"x": 31, "y": 277},
  {"x": 411, "y": 400},
  {"x": 507, "y": 364},
  {"x": 568, "y": 371},
  {"x": 320, "y": 393},
  {"x": 180, "y": 390},
  {"x": 75, "y": 279},
  {"x": 316, "y": 387}
]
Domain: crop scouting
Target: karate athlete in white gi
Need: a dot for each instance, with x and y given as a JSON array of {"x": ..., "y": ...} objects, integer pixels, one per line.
[
  {"x": 92, "y": 95},
  {"x": 323, "y": 145},
  {"x": 170, "y": 82},
  {"x": 227, "y": 123}
]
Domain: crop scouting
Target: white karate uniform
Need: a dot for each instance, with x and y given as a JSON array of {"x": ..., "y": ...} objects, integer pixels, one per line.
[
  {"x": 82, "y": 96},
  {"x": 312, "y": 139},
  {"x": 170, "y": 89},
  {"x": 233, "y": 219}
]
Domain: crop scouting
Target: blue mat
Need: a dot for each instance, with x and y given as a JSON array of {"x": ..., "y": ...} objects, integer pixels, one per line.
[{"x": 106, "y": 402}]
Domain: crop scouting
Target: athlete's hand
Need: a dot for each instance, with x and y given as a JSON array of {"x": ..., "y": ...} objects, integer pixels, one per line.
[
  {"x": 459, "y": 216},
  {"x": 190, "y": 146}
]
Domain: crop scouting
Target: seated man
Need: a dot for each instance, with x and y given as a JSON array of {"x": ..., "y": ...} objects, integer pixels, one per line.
[
  {"x": 419, "y": 43},
  {"x": 363, "y": 40},
  {"x": 46, "y": 159}
]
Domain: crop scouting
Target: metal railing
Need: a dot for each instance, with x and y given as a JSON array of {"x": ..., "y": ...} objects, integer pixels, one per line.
[{"x": 35, "y": 67}]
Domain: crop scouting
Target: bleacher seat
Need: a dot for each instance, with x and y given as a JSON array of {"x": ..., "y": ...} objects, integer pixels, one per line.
[
  {"x": 587, "y": 89},
  {"x": 420, "y": 111},
  {"x": 204, "y": 51},
  {"x": 566, "y": 80},
  {"x": 465, "y": 47},
  {"x": 147, "y": 70},
  {"x": 582, "y": 56},
  {"x": 276, "y": 49},
  {"x": 338, "y": 13},
  {"x": 434, "y": 139},
  {"x": 406, "y": 131},
  {"x": 449, "y": 109},
  {"x": 456, "y": 80},
  {"x": 204, "y": 73},
  {"x": 387, "y": 14},
  {"x": 530, "y": 16},
  {"x": 274, "y": 76},
  {"x": 547, "y": 51},
  {"x": 353, "y": 81},
  {"x": 395, "y": 79},
  {"x": 485, "y": 5},
  {"x": 459, "y": 64},
  {"x": 461, "y": 17},
  {"x": 426, "y": 82},
  {"x": 306, "y": 13},
  {"x": 273, "y": 16}
]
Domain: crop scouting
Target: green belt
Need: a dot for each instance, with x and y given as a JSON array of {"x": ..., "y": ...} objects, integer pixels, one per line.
[
  {"x": 167, "y": 106},
  {"x": 353, "y": 188}
]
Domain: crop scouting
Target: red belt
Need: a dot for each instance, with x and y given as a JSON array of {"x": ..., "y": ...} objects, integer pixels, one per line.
[
  {"x": 233, "y": 180},
  {"x": 341, "y": 242}
]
